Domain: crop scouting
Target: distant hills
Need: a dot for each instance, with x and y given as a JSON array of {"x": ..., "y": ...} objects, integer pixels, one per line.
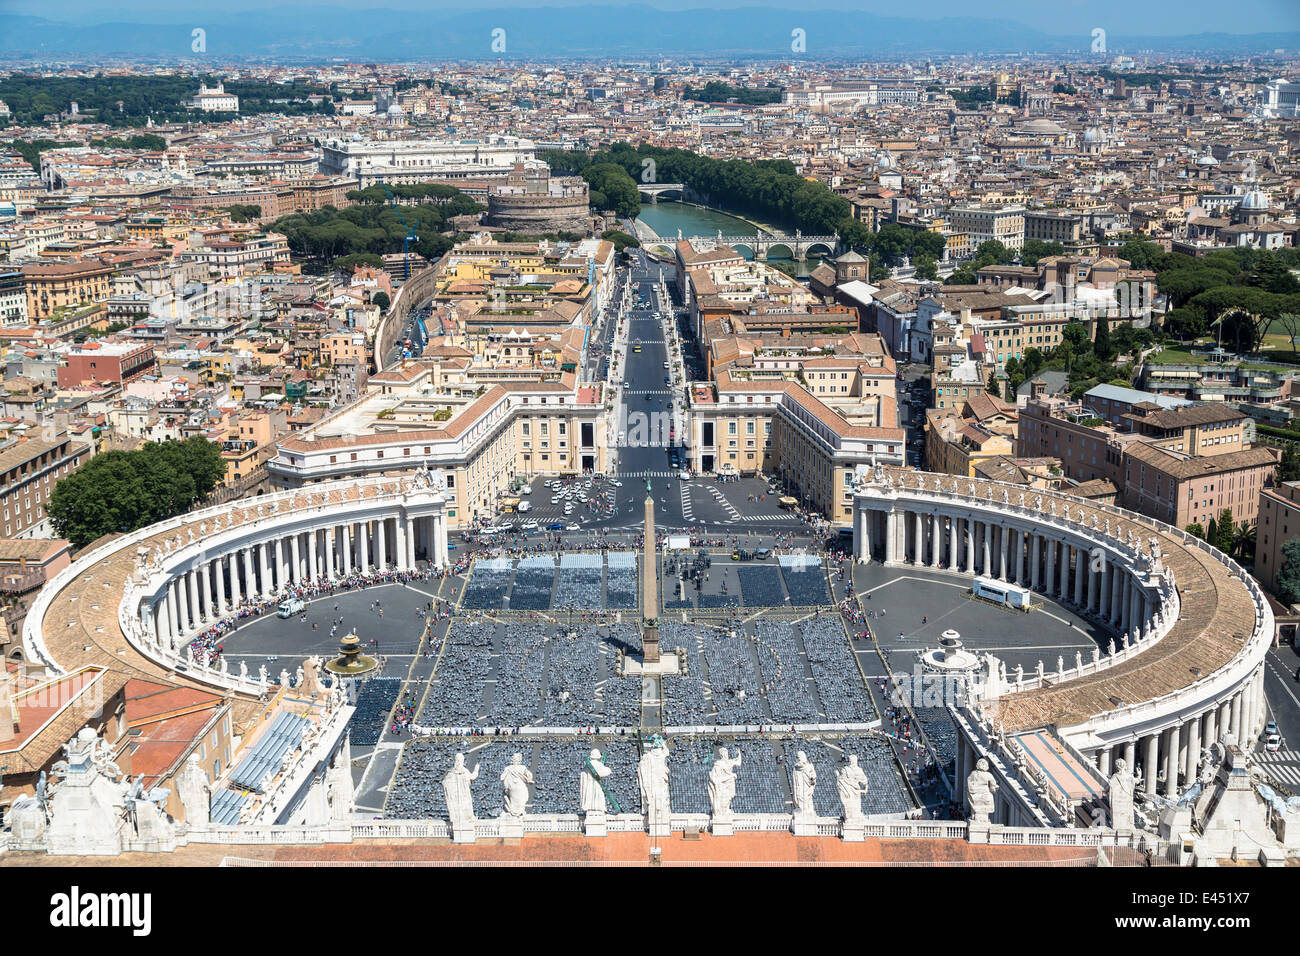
[{"x": 597, "y": 32}]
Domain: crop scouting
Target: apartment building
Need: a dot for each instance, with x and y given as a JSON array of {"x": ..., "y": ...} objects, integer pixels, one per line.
[
  {"x": 1279, "y": 512},
  {"x": 480, "y": 442},
  {"x": 59, "y": 285},
  {"x": 1006, "y": 224},
  {"x": 1181, "y": 489},
  {"x": 743, "y": 424},
  {"x": 29, "y": 470},
  {"x": 93, "y": 363}
]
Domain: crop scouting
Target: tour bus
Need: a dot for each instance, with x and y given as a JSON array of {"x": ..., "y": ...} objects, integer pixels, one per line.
[
  {"x": 1000, "y": 592},
  {"x": 509, "y": 505},
  {"x": 787, "y": 502},
  {"x": 290, "y": 607}
]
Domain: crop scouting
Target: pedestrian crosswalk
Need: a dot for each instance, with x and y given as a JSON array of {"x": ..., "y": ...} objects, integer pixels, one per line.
[
  {"x": 1283, "y": 766},
  {"x": 688, "y": 508}
]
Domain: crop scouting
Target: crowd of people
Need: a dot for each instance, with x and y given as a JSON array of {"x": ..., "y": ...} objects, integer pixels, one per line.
[{"x": 207, "y": 648}]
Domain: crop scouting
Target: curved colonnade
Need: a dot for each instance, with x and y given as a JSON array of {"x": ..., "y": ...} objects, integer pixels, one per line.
[
  {"x": 164, "y": 584},
  {"x": 1190, "y": 627}
]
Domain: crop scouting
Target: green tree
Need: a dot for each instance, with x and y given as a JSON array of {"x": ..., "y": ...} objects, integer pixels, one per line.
[
  {"x": 1287, "y": 582},
  {"x": 1196, "y": 530},
  {"x": 993, "y": 388},
  {"x": 119, "y": 491},
  {"x": 381, "y": 299},
  {"x": 1223, "y": 531},
  {"x": 1288, "y": 469},
  {"x": 1035, "y": 249},
  {"x": 926, "y": 268},
  {"x": 1101, "y": 340}
]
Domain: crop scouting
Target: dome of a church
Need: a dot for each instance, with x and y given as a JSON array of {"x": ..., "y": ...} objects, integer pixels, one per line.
[{"x": 1254, "y": 199}]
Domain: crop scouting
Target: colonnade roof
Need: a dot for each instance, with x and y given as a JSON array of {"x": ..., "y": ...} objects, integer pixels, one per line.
[{"x": 1217, "y": 618}]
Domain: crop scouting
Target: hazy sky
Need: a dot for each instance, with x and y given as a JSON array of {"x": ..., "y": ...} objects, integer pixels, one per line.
[{"x": 1059, "y": 17}]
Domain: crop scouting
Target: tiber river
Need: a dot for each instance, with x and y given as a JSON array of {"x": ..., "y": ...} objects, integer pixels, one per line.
[{"x": 666, "y": 217}]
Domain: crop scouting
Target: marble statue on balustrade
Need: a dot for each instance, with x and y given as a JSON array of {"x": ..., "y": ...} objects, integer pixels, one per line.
[
  {"x": 146, "y": 814},
  {"x": 339, "y": 796},
  {"x": 980, "y": 790},
  {"x": 591, "y": 794},
  {"x": 456, "y": 788},
  {"x": 195, "y": 791},
  {"x": 309, "y": 685},
  {"x": 805, "y": 783},
  {"x": 515, "y": 779},
  {"x": 652, "y": 775},
  {"x": 852, "y": 785},
  {"x": 722, "y": 783},
  {"x": 1120, "y": 794}
]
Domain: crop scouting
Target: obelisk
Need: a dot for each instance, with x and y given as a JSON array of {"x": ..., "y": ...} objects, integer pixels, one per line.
[{"x": 649, "y": 584}]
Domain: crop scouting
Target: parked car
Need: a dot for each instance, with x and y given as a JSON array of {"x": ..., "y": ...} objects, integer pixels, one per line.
[{"x": 555, "y": 526}]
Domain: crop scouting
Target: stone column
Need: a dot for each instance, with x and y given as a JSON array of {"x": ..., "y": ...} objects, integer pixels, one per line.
[
  {"x": 954, "y": 537},
  {"x": 1235, "y": 726},
  {"x": 218, "y": 565},
  {"x": 1080, "y": 571},
  {"x": 250, "y": 572},
  {"x": 1004, "y": 558},
  {"x": 295, "y": 547},
  {"x": 969, "y": 528},
  {"x": 1103, "y": 761},
  {"x": 1094, "y": 585},
  {"x": 399, "y": 542},
  {"x": 161, "y": 622},
  {"x": 173, "y": 613},
  {"x": 183, "y": 601},
  {"x": 918, "y": 535},
  {"x": 1049, "y": 582},
  {"x": 1063, "y": 582},
  {"x": 313, "y": 554},
  {"x": 1193, "y": 748},
  {"x": 1149, "y": 768},
  {"x": 332, "y": 552},
  {"x": 1104, "y": 607},
  {"x": 985, "y": 531},
  {"x": 207, "y": 600},
  {"x": 1171, "y": 763},
  {"x": 347, "y": 549},
  {"x": 1125, "y": 604},
  {"x": 1130, "y": 755},
  {"x": 936, "y": 545},
  {"x": 236, "y": 559},
  {"x": 1211, "y": 725},
  {"x": 410, "y": 543},
  {"x": 1035, "y": 547},
  {"x": 382, "y": 525},
  {"x": 365, "y": 529},
  {"x": 1135, "y": 612},
  {"x": 192, "y": 587}
]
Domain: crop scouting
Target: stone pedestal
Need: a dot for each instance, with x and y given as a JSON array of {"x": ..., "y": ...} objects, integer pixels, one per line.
[
  {"x": 593, "y": 823},
  {"x": 511, "y": 828},
  {"x": 805, "y": 825},
  {"x": 854, "y": 831},
  {"x": 666, "y": 664},
  {"x": 977, "y": 833},
  {"x": 462, "y": 832},
  {"x": 723, "y": 825}
]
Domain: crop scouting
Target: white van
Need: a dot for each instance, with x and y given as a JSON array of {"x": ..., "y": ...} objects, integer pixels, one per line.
[
  {"x": 525, "y": 506},
  {"x": 290, "y": 607}
]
